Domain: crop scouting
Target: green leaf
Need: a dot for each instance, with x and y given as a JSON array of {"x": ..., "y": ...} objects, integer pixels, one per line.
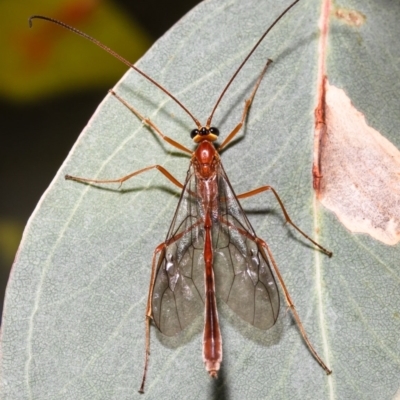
[{"x": 73, "y": 325}]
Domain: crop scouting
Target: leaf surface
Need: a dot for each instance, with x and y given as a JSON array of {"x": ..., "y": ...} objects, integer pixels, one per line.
[{"x": 73, "y": 325}]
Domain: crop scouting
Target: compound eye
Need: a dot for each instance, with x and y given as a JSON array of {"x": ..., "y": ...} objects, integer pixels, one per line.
[
  {"x": 194, "y": 133},
  {"x": 214, "y": 131}
]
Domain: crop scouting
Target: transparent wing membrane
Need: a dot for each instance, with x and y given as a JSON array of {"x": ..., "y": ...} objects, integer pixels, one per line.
[
  {"x": 242, "y": 273},
  {"x": 179, "y": 285}
]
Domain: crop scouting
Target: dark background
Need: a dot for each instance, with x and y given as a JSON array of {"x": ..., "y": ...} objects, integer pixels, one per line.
[{"x": 37, "y": 136}]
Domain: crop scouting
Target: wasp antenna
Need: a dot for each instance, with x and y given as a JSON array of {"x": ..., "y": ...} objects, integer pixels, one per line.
[
  {"x": 245, "y": 60},
  {"x": 117, "y": 56}
]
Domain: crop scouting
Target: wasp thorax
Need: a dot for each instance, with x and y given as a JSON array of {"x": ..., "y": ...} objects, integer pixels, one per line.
[{"x": 206, "y": 159}]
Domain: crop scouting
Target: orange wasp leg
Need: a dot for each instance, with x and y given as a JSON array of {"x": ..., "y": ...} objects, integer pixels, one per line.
[
  {"x": 149, "y": 316},
  {"x": 287, "y": 218},
  {"x": 289, "y": 301},
  {"x": 126, "y": 177},
  {"x": 261, "y": 246},
  {"x": 121, "y": 180},
  {"x": 148, "y": 122},
  {"x": 247, "y": 105}
]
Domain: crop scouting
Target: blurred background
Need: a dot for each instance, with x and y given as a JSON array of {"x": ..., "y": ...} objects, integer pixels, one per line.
[{"x": 51, "y": 83}]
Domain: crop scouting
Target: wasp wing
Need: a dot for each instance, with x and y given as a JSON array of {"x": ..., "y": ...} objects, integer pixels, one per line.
[
  {"x": 243, "y": 276},
  {"x": 178, "y": 294}
]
